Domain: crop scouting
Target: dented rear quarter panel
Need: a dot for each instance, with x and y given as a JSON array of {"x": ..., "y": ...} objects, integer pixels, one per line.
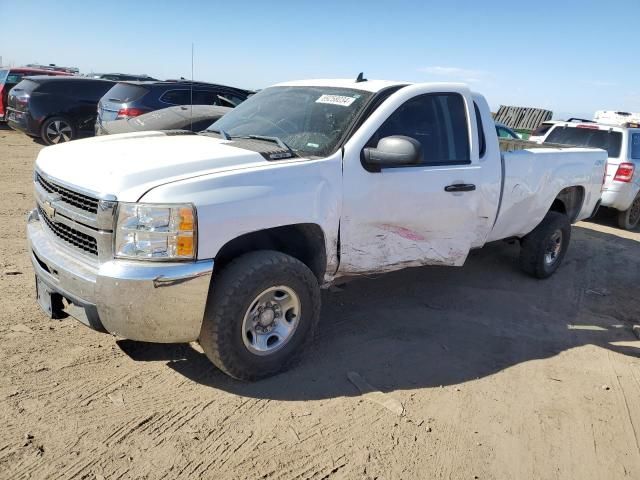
[{"x": 534, "y": 178}]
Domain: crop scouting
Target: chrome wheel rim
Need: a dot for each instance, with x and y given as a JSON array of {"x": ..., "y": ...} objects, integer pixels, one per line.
[
  {"x": 271, "y": 320},
  {"x": 553, "y": 249},
  {"x": 58, "y": 131}
]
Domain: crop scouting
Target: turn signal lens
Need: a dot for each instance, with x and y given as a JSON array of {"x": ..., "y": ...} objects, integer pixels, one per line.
[
  {"x": 184, "y": 246},
  {"x": 186, "y": 219},
  {"x": 624, "y": 172}
]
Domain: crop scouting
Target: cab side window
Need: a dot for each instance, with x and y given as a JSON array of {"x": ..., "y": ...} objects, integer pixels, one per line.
[{"x": 438, "y": 121}]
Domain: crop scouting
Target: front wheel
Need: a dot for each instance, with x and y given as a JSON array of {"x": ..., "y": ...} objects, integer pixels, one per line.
[
  {"x": 542, "y": 250},
  {"x": 262, "y": 310},
  {"x": 630, "y": 218}
]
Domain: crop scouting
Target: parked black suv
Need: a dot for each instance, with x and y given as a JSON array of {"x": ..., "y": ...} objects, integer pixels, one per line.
[
  {"x": 56, "y": 109},
  {"x": 130, "y": 99}
]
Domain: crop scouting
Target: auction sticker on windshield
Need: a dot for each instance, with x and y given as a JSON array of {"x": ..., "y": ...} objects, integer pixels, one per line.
[{"x": 336, "y": 100}]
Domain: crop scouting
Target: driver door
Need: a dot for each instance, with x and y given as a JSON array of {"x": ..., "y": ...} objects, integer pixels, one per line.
[{"x": 414, "y": 215}]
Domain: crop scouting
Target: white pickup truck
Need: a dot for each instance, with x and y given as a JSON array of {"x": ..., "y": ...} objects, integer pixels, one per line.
[{"x": 227, "y": 236}]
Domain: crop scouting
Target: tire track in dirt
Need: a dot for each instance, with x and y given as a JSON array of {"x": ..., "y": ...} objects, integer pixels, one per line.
[{"x": 306, "y": 459}]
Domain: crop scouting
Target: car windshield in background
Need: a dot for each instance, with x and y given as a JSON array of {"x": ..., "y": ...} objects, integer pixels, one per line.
[
  {"x": 14, "y": 77},
  {"x": 310, "y": 120},
  {"x": 3, "y": 75},
  {"x": 587, "y": 137}
]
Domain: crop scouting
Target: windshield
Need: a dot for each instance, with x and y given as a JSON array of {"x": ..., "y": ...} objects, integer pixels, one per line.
[
  {"x": 310, "y": 120},
  {"x": 14, "y": 77},
  {"x": 587, "y": 137}
]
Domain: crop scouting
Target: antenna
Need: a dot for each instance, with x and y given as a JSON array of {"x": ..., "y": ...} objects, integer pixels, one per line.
[
  {"x": 191, "y": 89},
  {"x": 361, "y": 78}
]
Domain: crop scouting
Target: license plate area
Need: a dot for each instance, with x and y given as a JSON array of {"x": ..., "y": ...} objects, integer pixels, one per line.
[{"x": 49, "y": 301}]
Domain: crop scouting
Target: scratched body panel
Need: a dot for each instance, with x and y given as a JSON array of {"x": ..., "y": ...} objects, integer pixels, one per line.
[{"x": 401, "y": 217}]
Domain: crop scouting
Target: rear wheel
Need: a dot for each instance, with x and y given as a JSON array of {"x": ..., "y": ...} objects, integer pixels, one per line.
[
  {"x": 57, "y": 130},
  {"x": 542, "y": 250},
  {"x": 630, "y": 218},
  {"x": 262, "y": 310}
]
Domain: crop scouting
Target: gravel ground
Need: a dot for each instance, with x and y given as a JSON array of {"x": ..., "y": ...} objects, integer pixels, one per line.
[{"x": 476, "y": 372}]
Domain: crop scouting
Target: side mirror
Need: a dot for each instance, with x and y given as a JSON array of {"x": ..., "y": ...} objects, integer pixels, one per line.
[{"x": 394, "y": 151}]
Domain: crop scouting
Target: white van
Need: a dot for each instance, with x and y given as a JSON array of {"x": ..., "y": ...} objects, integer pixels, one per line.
[{"x": 622, "y": 142}]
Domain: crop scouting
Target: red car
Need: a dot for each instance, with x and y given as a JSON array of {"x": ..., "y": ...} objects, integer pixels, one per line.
[{"x": 10, "y": 77}]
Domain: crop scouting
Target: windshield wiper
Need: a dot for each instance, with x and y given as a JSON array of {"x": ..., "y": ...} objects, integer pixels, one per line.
[
  {"x": 276, "y": 140},
  {"x": 220, "y": 132}
]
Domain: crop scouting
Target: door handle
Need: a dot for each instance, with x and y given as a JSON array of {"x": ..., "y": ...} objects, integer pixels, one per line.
[{"x": 460, "y": 187}]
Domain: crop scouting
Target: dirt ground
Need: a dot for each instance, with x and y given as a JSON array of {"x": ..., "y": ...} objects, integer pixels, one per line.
[{"x": 497, "y": 375}]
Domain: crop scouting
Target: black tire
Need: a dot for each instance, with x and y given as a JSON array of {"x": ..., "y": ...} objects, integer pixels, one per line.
[
  {"x": 231, "y": 296},
  {"x": 540, "y": 255},
  {"x": 57, "y": 129},
  {"x": 629, "y": 219}
]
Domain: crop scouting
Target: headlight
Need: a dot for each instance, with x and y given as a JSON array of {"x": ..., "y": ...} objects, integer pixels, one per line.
[{"x": 155, "y": 232}]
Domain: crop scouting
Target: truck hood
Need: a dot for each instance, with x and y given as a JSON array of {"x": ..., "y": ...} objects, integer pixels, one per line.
[{"x": 129, "y": 165}]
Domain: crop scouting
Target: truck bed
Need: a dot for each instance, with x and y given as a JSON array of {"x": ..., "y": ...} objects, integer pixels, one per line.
[
  {"x": 509, "y": 145},
  {"x": 533, "y": 177}
]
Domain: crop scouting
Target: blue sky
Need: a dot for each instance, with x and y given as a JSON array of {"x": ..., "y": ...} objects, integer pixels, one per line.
[{"x": 573, "y": 57}]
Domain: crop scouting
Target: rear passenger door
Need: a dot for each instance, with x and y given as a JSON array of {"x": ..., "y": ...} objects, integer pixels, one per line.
[{"x": 423, "y": 214}]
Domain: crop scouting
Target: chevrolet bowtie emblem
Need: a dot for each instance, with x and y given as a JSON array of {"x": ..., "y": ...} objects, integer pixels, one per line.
[{"x": 48, "y": 207}]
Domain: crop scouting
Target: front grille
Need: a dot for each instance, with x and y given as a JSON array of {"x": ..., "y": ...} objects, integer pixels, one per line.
[
  {"x": 71, "y": 235},
  {"x": 78, "y": 200}
]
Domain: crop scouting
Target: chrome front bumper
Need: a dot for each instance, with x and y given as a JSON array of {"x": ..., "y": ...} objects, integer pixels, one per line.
[{"x": 145, "y": 301}]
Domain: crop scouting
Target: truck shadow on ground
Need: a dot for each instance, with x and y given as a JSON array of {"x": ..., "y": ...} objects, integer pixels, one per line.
[{"x": 427, "y": 327}]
